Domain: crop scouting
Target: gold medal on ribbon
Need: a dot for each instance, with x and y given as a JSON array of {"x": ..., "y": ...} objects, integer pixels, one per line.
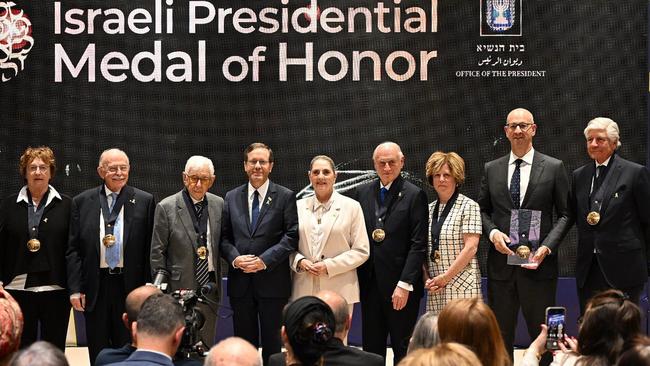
[
  {"x": 378, "y": 235},
  {"x": 523, "y": 251},
  {"x": 109, "y": 240},
  {"x": 202, "y": 252},
  {"x": 593, "y": 218},
  {"x": 34, "y": 245},
  {"x": 436, "y": 256}
]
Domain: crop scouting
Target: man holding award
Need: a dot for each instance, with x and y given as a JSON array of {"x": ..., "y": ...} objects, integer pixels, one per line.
[
  {"x": 396, "y": 214},
  {"x": 518, "y": 195},
  {"x": 108, "y": 250},
  {"x": 610, "y": 204},
  {"x": 185, "y": 240}
]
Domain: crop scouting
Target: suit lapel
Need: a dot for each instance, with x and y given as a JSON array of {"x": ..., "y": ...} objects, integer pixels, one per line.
[
  {"x": 333, "y": 213},
  {"x": 615, "y": 170},
  {"x": 243, "y": 202},
  {"x": 536, "y": 171},
  {"x": 265, "y": 204},
  {"x": 186, "y": 219},
  {"x": 129, "y": 208},
  {"x": 502, "y": 179},
  {"x": 92, "y": 213}
]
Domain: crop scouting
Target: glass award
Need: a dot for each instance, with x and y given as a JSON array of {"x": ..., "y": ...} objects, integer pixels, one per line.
[{"x": 525, "y": 226}]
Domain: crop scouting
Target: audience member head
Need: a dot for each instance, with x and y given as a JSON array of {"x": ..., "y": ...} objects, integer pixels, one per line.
[
  {"x": 472, "y": 323},
  {"x": 134, "y": 302},
  {"x": 444, "y": 354},
  {"x": 233, "y": 351},
  {"x": 341, "y": 312},
  {"x": 610, "y": 325},
  {"x": 308, "y": 327},
  {"x": 425, "y": 333},
  {"x": 11, "y": 326},
  {"x": 160, "y": 324},
  {"x": 40, "y": 353}
]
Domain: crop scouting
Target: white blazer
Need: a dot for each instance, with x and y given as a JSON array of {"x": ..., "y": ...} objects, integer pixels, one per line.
[{"x": 344, "y": 247}]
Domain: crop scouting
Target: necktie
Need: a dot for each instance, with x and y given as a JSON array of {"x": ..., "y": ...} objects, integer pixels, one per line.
[
  {"x": 382, "y": 195},
  {"x": 515, "y": 182},
  {"x": 255, "y": 209},
  {"x": 598, "y": 179},
  {"x": 113, "y": 253},
  {"x": 198, "y": 208}
]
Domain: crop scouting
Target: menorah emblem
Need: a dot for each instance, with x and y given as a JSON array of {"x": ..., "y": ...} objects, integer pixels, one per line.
[{"x": 500, "y": 14}]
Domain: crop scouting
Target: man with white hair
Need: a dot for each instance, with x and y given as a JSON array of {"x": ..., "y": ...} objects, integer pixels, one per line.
[
  {"x": 185, "y": 240},
  {"x": 610, "y": 204},
  {"x": 233, "y": 351}
]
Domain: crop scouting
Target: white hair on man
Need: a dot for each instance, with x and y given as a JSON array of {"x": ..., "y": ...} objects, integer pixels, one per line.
[
  {"x": 607, "y": 124},
  {"x": 198, "y": 161}
]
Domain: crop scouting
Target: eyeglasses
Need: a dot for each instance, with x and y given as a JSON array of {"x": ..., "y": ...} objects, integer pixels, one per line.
[
  {"x": 522, "y": 126},
  {"x": 35, "y": 168},
  {"x": 255, "y": 162},
  {"x": 194, "y": 179},
  {"x": 115, "y": 168}
]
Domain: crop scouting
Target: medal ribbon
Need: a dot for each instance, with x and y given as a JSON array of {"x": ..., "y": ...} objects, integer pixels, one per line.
[
  {"x": 596, "y": 199},
  {"x": 110, "y": 216},
  {"x": 200, "y": 225},
  {"x": 436, "y": 223},
  {"x": 34, "y": 216}
]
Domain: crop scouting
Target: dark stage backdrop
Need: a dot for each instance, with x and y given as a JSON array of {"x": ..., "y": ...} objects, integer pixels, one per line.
[{"x": 444, "y": 80}]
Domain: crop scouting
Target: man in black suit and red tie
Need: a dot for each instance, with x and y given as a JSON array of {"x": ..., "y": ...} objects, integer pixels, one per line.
[
  {"x": 108, "y": 250},
  {"x": 523, "y": 179},
  {"x": 391, "y": 279},
  {"x": 610, "y": 204},
  {"x": 259, "y": 232}
]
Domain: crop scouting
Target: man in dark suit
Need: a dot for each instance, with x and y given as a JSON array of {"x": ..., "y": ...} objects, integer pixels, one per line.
[
  {"x": 391, "y": 279},
  {"x": 610, "y": 204},
  {"x": 259, "y": 232},
  {"x": 108, "y": 250},
  {"x": 337, "y": 353},
  {"x": 185, "y": 240},
  {"x": 523, "y": 179},
  {"x": 158, "y": 332}
]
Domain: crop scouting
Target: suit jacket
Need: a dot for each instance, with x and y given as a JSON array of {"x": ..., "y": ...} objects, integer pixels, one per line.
[
  {"x": 337, "y": 354},
  {"x": 145, "y": 358},
  {"x": 47, "y": 266},
  {"x": 173, "y": 242},
  {"x": 401, "y": 255},
  {"x": 547, "y": 190},
  {"x": 84, "y": 241},
  {"x": 344, "y": 247},
  {"x": 109, "y": 356},
  {"x": 273, "y": 239},
  {"x": 622, "y": 237}
]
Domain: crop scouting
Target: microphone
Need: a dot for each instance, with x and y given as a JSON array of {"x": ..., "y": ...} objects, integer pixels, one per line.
[{"x": 161, "y": 278}]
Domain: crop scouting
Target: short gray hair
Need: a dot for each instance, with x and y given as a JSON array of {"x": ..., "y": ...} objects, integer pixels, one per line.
[
  {"x": 607, "y": 124},
  {"x": 425, "y": 333},
  {"x": 198, "y": 161},
  {"x": 40, "y": 353}
]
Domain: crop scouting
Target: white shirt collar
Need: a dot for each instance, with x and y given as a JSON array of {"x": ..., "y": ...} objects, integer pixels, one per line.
[
  {"x": 22, "y": 195},
  {"x": 152, "y": 351},
  {"x": 387, "y": 186},
  {"x": 527, "y": 158},
  {"x": 315, "y": 203},
  {"x": 108, "y": 191},
  {"x": 605, "y": 163},
  {"x": 261, "y": 190}
]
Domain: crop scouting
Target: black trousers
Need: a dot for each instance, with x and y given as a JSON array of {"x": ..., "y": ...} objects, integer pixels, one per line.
[
  {"x": 379, "y": 320},
  {"x": 252, "y": 314},
  {"x": 45, "y": 313},
  {"x": 532, "y": 296},
  {"x": 596, "y": 283},
  {"x": 104, "y": 326}
]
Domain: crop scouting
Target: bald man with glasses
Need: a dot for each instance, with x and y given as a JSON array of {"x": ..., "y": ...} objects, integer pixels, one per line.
[{"x": 524, "y": 179}]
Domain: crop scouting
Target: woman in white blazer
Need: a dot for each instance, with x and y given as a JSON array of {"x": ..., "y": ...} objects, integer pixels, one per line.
[{"x": 333, "y": 239}]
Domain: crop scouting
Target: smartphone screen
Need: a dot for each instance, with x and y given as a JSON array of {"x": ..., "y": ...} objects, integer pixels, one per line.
[{"x": 556, "y": 323}]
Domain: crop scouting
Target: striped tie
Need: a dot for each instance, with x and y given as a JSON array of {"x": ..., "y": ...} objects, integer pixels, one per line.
[{"x": 201, "y": 264}]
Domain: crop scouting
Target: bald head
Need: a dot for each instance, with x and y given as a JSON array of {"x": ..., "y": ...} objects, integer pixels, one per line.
[
  {"x": 340, "y": 309},
  {"x": 520, "y": 115},
  {"x": 233, "y": 351},
  {"x": 389, "y": 161},
  {"x": 136, "y": 298},
  {"x": 388, "y": 147}
]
